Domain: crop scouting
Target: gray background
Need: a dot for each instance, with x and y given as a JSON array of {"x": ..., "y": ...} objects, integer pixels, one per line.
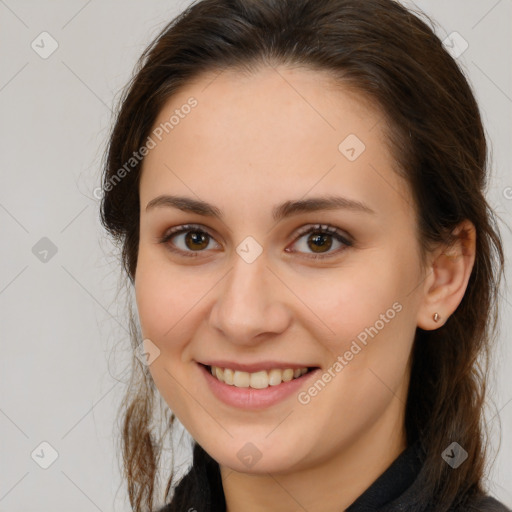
[{"x": 63, "y": 329}]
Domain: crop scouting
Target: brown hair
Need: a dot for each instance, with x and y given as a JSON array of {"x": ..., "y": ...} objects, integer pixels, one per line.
[{"x": 390, "y": 55}]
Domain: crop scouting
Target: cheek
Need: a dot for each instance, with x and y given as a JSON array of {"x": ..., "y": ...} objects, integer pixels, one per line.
[
  {"x": 162, "y": 297},
  {"x": 367, "y": 310},
  {"x": 165, "y": 304},
  {"x": 370, "y": 313},
  {"x": 351, "y": 298}
]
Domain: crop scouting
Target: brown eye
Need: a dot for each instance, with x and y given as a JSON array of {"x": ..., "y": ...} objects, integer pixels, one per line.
[
  {"x": 320, "y": 239},
  {"x": 188, "y": 240},
  {"x": 196, "y": 240},
  {"x": 320, "y": 242}
]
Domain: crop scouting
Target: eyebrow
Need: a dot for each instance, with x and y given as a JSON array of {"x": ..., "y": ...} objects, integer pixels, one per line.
[{"x": 279, "y": 212}]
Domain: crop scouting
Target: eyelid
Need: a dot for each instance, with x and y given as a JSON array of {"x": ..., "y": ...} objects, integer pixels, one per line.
[
  {"x": 178, "y": 230},
  {"x": 327, "y": 228},
  {"x": 337, "y": 233}
]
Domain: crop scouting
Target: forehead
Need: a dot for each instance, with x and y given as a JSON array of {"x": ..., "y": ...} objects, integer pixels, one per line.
[{"x": 274, "y": 132}]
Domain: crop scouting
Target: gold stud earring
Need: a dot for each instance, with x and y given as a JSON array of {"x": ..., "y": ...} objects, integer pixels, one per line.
[{"x": 436, "y": 317}]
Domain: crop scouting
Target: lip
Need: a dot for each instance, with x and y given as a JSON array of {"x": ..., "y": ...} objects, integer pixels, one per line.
[
  {"x": 255, "y": 399},
  {"x": 255, "y": 367}
]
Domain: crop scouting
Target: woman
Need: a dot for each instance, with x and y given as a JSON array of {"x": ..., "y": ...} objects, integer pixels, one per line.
[{"x": 298, "y": 188}]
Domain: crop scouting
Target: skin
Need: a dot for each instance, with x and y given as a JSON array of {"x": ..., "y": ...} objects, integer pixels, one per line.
[{"x": 252, "y": 142}]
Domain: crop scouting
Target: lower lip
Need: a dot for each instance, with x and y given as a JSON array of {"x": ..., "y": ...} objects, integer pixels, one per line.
[{"x": 250, "y": 398}]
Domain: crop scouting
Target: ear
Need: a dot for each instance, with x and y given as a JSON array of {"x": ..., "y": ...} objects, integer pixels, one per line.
[{"x": 447, "y": 277}]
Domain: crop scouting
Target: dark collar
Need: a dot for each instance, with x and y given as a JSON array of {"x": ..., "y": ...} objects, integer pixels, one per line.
[{"x": 393, "y": 484}]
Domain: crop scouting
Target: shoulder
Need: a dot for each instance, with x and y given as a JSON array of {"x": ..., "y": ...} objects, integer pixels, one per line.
[{"x": 486, "y": 504}]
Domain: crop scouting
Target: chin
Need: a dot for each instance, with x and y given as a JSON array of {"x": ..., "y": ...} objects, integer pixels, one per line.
[{"x": 255, "y": 457}]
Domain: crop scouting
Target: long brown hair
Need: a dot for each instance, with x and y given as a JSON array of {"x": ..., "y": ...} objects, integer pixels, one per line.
[{"x": 387, "y": 53}]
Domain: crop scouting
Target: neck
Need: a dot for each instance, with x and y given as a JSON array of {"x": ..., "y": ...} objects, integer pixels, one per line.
[{"x": 331, "y": 484}]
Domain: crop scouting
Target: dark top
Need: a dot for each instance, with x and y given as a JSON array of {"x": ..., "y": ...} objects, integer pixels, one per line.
[{"x": 399, "y": 489}]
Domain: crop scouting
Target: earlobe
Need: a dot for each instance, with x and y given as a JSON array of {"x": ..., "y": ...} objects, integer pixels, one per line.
[{"x": 449, "y": 273}]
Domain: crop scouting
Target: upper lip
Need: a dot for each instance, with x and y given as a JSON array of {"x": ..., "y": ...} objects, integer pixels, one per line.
[{"x": 254, "y": 367}]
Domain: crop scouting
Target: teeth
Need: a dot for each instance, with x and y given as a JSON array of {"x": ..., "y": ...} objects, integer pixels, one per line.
[
  {"x": 240, "y": 379},
  {"x": 287, "y": 375},
  {"x": 275, "y": 377},
  {"x": 229, "y": 376},
  {"x": 258, "y": 380}
]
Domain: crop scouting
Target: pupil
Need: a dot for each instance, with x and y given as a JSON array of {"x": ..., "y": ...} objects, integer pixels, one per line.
[
  {"x": 317, "y": 242},
  {"x": 196, "y": 238}
]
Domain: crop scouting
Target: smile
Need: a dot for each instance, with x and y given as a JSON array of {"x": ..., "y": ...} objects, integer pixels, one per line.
[
  {"x": 255, "y": 386},
  {"x": 257, "y": 380}
]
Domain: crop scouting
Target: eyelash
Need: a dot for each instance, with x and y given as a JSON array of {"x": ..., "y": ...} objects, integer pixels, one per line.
[{"x": 316, "y": 228}]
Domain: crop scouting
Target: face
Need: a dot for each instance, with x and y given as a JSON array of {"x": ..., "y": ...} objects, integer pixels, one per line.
[{"x": 265, "y": 278}]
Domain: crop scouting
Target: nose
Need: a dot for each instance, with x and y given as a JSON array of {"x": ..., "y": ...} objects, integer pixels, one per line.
[{"x": 250, "y": 305}]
